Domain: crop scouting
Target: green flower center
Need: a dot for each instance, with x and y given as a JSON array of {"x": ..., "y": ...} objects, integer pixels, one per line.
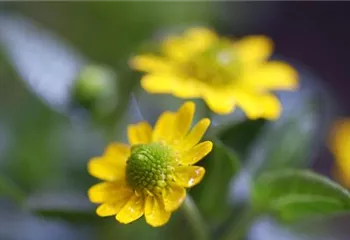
[
  {"x": 219, "y": 65},
  {"x": 150, "y": 165}
]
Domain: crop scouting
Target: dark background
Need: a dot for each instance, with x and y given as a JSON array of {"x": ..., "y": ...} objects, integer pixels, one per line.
[{"x": 318, "y": 35}]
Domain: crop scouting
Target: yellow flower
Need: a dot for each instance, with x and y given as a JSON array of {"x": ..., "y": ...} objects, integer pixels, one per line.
[
  {"x": 224, "y": 73},
  {"x": 340, "y": 146},
  {"x": 150, "y": 176}
]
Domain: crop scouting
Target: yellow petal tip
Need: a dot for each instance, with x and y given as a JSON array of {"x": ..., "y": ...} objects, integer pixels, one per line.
[{"x": 189, "y": 105}]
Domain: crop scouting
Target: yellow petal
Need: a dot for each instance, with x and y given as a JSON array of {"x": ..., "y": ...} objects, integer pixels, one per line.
[
  {"x": 158, "y": 83},
  {"x": 271, "y": 106},
  {"x": 166, "y": 83},
  {"x": 184, "y": 117},
  {"x": 105, "y": 170},
  {"x": 105, "y": 210},
  {"x": 163, "y": 129},
  {"x": 187, "y": 88},
  {"x": 173, "y": 197},
  {"x": 132, "y": 210},
  {"x": 254, "y": 49},
  {"x": 108, "y": 192},
  {"x": 196, "y": 153},
  {"x": 195, "y": 135},
  {"x": 155, "y": 213},
  {"x": 258, "y": 105},
  {"x": 340, "y": 144},
  {"x": 117, "y": 153},
  {"x": 140, "y": 133},
  {"x": 188, "y": 176},
  {"x": 249, "y": 103},
  {"x": 220, "y": 102},
  {"x": 195, "y": 40},
  {"x": 273, "y": 76},
  {"x": 199, "y": 39},
  {"x": 175, "y": 48},
  {"x": 342, "y": 175},
  {"x": 150, "y": 63},
  {"x": 113, "y": 206}
]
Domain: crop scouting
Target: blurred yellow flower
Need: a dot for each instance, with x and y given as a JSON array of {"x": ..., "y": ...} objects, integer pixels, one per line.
[
  {"x": 340, "y": 146},
  {"x": 224, "y": 73},
  {"x": 150, "y": 176}
]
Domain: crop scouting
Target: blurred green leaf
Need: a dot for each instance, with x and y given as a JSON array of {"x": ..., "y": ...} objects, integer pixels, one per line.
[
  {"x": 211, "y": 194},
  {"x": 59, "y": 75},
  {"x": 239, "y": 136},
  {"x": 42, "y": 60},
  {"x": 32, "y": 154},
  {"x": 288, "y": 142},
  {"x": 112, "y": 230},
  {"x": 297, "y": 194},
  {"x": 108, "y": 32},
  {"x": 10, "y": 190},
  {"x": 68, "y": 206}
]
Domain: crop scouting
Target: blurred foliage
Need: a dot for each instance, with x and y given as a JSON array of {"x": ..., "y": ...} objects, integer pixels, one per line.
[
  {"x": 44, "y": 147},
  {"x": 46, "y": 152},
  {"x": 294, "y": 195},
  {"x": 212, "y": 194}
]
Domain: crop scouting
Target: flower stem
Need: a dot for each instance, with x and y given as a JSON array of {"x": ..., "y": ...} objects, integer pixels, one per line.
[{"x": 194, "y": 218}]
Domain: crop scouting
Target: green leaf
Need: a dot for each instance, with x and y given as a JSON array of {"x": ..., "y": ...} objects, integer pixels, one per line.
[
  {"x": 44, "y": 61},
  {"x": 298, "y": 194},
  {"x": 212, "y": 193},
  {"x": 284, "y": 144},
  {"x": 238, "y": 136},
  {"x": 73, "y": 85},
  {"x": 68, "y": 206},
  {"x": 11, "y": 190}
]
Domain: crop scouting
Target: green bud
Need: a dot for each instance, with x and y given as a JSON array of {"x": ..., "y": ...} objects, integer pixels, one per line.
[{"x": 96, "y": 89}]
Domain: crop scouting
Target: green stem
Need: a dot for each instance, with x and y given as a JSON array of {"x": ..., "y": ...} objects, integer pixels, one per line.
[
  {"x": 194, "y": 218},
  {"x": 238, "y": 230}
]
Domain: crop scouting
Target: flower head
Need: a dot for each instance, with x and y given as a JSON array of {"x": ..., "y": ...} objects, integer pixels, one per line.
[
  {"x": 224, "y": 73},
  {"x": 340, "y": 146},
  {"x": 150, "y": 177}
]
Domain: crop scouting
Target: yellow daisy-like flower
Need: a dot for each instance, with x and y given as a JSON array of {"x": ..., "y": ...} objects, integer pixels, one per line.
[
  {"x": 150, "y": 177},
  {"x": 224, "y": 73},
  {"x": 340, "y": 146}
]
